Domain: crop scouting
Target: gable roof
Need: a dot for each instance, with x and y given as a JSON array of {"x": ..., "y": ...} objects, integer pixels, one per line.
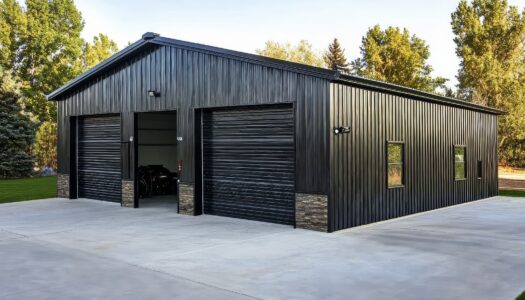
[{"x": 148, "y": 39}]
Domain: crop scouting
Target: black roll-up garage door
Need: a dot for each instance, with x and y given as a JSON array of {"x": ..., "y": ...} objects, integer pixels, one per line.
[
  {"x": 249, "y": 163},
  {"x": 99, "y": 158}
]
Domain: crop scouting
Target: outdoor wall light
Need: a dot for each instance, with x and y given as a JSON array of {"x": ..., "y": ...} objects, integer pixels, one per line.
[
  {"x": 339, "y": 130},
  {"x": 153, "y": 93}
]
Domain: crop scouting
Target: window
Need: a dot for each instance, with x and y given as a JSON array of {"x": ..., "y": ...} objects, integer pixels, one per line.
[
  {"x": 395, "y": 155},
  {"x": 480, "y": 169},
  {"x": 460, "y": 168}
]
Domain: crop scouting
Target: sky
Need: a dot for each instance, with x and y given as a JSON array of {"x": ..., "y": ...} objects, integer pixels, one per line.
[{"x": 247, "y": 25}]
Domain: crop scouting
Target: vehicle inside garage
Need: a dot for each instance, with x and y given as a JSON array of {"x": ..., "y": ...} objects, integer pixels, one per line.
[{"x": 157, "y": 159}]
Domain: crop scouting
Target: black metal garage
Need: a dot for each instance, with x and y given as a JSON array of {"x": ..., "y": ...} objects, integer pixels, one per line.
[{"x": 264, "y": 139}]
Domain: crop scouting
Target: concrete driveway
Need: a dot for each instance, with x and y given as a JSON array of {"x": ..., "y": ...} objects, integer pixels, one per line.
[{"x": 85, "y": 249}]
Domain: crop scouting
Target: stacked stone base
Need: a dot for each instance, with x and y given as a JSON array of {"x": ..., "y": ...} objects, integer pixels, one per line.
[
  {"x": 128, "y": 193},
  {"x": 311, "y": 212},
  {"x": 63, "y": 185},
  {"x": 186, "y": 201}
]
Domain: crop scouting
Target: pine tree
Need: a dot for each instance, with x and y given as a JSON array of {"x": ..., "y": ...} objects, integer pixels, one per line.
[
  {"x": 16, "y": 132},
  {"x": 335, "y": 58}
]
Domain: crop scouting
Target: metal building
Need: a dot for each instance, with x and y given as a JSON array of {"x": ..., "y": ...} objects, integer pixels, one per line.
[{"x": 263, "y": 139}]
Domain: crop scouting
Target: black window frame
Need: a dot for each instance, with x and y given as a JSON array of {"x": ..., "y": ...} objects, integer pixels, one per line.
[
  {"x": 479, "y": 170},
  {"x": 464, "y": 147},
  {"x": 402, "y": 163}
]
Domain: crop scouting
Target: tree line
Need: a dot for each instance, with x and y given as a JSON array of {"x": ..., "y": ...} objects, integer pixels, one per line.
[
  {"x": 490, "y": 43},
  {"x": 41, "y": 49}
]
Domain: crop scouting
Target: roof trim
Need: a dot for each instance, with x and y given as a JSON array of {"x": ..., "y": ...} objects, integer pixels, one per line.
[
  {"x": 413, "y": 93},
  {"x": 153, "y": 38},
  {"x": 252, "y": 58},
  {"x": 115, "y": 58}
]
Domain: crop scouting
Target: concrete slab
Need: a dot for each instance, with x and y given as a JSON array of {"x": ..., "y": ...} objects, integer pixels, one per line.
[{"x": 86, "y": 249}]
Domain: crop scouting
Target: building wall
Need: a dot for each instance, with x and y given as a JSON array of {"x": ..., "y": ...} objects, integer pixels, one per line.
[
  {"x": 189, "y": 79},
  {"x": 359, "y": 193}
]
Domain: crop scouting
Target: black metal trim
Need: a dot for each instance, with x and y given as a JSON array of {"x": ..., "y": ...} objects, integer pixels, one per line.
[
  {"x": 464, "y": 161},
  {"x": 73, "y": 158},
  {"x": 403, "y": 164},
  {"x": 334, "y": 76},
  {"x": 413, "y": 93},
  {"x": 115, "y": 58}
]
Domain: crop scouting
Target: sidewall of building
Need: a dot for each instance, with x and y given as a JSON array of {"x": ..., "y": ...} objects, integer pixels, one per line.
[{"x": 359, "y": 192}]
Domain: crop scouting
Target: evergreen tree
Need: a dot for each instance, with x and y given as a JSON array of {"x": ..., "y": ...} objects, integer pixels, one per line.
[
  {"x": 395, "y": 56},
  {"x": 490, "y": 42},
  {"x": 16, "y": 132},
  {"x": 335, "y": 58}
]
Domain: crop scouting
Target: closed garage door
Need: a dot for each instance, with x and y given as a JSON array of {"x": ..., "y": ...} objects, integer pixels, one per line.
[
  {"x": 99, "y": 158},
  {"x": 249, "y": 163}
]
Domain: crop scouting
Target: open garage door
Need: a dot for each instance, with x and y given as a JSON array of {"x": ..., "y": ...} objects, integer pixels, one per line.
[
  {"x": 99, "y": 174},
  {"x": 249, "y": 163}
]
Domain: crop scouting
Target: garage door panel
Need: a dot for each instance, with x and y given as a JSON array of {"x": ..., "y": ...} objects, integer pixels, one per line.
[
  {"x": 99, "y": 174},
  {"x": 249, "y": 163}
]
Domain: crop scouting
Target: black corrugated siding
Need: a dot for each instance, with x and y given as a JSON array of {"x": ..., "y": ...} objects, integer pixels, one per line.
[
  {"x": 191, "y": 79},
  {"x": 359, "y": 193},
  {"x": 249, "y": 163}
]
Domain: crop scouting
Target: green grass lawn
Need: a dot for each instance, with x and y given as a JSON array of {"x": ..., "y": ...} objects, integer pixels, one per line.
[
  {"x": 13, "y": 190},
  {"x": 512, "y": 193}
]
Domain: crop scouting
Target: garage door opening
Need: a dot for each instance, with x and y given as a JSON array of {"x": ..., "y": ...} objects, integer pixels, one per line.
[
  {"x": 248, "y": 159},
  {"x": 99, "y": 158},
  {"x": 157, "y": 159}
]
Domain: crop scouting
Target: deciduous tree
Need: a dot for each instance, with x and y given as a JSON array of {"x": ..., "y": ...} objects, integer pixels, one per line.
[
  {"x": 490, "y": 39},
  {"x": 13, "y": 25},
  {"x": 301, "y": 53},
  {"x": 51, "y": 52},
  {"x": 101, "y": 48},
  {"x": 395, "y": 56}
]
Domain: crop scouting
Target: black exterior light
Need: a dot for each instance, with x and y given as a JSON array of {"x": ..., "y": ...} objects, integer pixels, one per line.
[
  {"x": 153, "y": 93},
  {"x": 339, "y": 130}
]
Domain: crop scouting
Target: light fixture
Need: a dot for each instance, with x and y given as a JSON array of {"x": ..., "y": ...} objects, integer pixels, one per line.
[
  {"x": 339, "y": 130},
  {"x": 153, "y": 93}
]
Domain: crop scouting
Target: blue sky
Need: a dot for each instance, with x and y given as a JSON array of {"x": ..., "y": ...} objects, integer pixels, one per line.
[{"x": 246, "y": 25}]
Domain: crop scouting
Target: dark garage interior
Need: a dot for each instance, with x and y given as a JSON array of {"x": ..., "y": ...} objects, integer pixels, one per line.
[{"x": 156, "y": 134}]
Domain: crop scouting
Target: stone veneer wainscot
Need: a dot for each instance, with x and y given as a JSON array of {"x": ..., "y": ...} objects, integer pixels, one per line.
[{"x": 311, "y": 211}]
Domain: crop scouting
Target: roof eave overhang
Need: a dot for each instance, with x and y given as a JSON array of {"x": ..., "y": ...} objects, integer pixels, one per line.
[
  {"x": 333, "y": 76},
  {"x": 413, "y": 93},
  {"x": 150, "y": 38},
  {"x": 114, "y": 59}
]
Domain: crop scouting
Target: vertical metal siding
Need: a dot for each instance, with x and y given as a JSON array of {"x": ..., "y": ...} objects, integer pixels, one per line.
[
  {"x": 190, "y": 79},
  {"x": 359, "y": 192}
]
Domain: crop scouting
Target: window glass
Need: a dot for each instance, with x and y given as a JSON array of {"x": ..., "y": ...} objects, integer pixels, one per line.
[
  {"x": 395, "y": 164},
  {"x": 460, "y": 171}
]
